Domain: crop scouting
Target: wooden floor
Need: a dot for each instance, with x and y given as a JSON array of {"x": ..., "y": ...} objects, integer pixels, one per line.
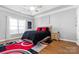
[{"x": 61, "y": 47}]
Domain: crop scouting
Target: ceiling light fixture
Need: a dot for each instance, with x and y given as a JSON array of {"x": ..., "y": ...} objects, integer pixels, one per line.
[{"x": 32, "y": 8}]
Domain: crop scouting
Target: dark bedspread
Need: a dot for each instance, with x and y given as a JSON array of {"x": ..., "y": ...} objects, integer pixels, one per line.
[{"x": 35, "y": 36}]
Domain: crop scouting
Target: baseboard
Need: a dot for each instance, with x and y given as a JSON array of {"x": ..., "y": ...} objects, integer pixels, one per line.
[
  {"x": 77, "y": 43},
  {"x": 70, "y": 41}
]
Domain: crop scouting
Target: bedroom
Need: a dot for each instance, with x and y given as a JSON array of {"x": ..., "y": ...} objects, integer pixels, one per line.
[{"x": 57, "y": 20}]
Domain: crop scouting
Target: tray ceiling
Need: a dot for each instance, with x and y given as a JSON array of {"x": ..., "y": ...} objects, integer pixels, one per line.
[{"x": 32, "y": 9}]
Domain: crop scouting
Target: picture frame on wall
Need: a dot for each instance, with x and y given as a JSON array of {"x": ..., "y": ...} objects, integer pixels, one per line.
[{"x": 29, "y": 25}]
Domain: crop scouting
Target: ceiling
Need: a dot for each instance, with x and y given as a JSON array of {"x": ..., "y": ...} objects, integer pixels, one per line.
[{"x": 36, "y": 9}]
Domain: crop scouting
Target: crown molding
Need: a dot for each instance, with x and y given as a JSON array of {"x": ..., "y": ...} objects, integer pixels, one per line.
[
  {"x": 11, "y": 10},
  {"x": 64, "y": 8}
]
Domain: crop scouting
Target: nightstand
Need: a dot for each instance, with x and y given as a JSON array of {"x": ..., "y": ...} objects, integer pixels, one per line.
[{"x": 55, "y": 35}]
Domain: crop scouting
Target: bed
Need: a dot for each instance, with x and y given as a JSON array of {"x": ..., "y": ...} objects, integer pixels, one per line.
[{"x": 36, "y": 36}]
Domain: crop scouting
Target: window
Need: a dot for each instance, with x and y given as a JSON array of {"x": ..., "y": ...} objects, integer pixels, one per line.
[
  {"x": 21, "y": 26},
  {"x": 16, "y": 26},
  {"x": 13, "y": 26}
]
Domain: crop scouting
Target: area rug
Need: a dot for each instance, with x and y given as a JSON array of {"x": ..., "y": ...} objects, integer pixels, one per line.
[
  {"x": 37, "y": 48},
  {"x": 16, "y": 51}
]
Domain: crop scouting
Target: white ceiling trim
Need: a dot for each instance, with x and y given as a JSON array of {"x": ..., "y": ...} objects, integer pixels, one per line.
[
  {"x": 56, "y": 11},
  {"x": 26, "y": 8},
  {"x": 9, "y": 10}
]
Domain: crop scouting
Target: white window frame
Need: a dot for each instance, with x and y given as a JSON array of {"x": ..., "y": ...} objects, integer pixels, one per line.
[{"x": 18, "y": 30}]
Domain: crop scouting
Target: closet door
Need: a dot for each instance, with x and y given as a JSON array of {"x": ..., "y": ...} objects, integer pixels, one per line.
[
  {"x": 77, "y": 24},
  {"x": 65, "y": 23}
]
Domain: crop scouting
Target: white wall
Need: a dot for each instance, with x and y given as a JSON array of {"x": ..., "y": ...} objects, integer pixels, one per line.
[
  {"x": 2, "y": 26},
  {"x": 4, "y": 13},
  {"x": 63, "y": 21}
]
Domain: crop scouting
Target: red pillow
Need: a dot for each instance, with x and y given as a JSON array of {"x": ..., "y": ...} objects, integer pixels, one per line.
[
  {"x": 44, "y": 29},
  {"x": 38, "y": 29}
]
